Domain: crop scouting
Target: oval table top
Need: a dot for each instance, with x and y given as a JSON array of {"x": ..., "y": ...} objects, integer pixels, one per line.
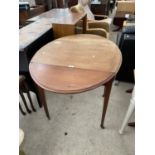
[{"x": 76, "y": 63}]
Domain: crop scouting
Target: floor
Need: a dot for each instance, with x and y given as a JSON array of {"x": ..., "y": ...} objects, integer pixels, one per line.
[{"x": 74, "y": 128}]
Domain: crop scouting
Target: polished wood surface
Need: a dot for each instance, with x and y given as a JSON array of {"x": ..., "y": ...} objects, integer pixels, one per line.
[
  {"x": 64, "y": 21},
  {"x": 31, "y": 32},
  {"x": 75, "y": 63},
  {"x": 44, "y": 22},
  {"x": 23, "y": 16},
  {"x": 61, "y": 16},
  {"x": 61, "y": 30}
]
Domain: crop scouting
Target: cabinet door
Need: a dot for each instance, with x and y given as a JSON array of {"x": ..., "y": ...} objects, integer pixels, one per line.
[{"x": 99, "y": 9}]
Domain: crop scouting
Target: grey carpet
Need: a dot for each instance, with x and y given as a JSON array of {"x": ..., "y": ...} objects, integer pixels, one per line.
[{"x": 74, "y": 128}]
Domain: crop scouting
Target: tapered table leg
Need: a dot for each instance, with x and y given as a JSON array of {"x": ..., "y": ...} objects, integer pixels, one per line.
[
  {"x": 106, "y": 96},
  {"x": 39, "y": 101},
  {"x": 43, "y": 100}
]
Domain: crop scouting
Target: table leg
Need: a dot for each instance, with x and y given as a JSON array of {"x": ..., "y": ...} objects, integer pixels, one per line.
[
  {"x": 39, "y": 101},
  {"x": 43, "y": 100},
  {"x": 106, "y": 96}
]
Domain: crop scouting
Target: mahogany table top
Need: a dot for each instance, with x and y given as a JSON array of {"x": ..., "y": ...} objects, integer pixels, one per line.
[{"x": 75, "y": 63}]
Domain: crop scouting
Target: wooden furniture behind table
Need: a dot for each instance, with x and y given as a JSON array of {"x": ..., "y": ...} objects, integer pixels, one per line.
[
  {"x": 38, "y": 33},
  {"x": 119, "y": 19},
  {"x": 75, "y": 64},
  {"x": 31, "y": 12},
  {"x": 72, "y": 3},
  {"x": 23, "y": 87},
  {"x": 63, "y": 21},
  {"x": 98, "y": 27},
  {"x": 124, "y": 7},
  {"x": 66, "y": 22},
  {"x": 31, "y": 38},
  {"x": 101, "y": 8}
]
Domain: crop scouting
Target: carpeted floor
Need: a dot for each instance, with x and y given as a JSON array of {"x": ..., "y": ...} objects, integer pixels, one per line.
[{"x": 74, "y": 128}]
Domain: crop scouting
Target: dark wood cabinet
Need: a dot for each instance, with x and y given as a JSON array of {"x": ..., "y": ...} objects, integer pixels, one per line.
[
  {"x": 100, "y": 8},
  {"x": 31, "y": 12},
  {"x": 72, "y": 3}
]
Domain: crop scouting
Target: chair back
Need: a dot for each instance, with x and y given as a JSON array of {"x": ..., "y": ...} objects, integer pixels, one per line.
[
  {"x": 83, "y": 5},
  {"x": 77, "y": 8}
]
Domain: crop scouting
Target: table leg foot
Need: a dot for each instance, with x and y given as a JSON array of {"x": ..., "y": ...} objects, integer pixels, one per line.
[
  {"x": 102, "y": 127},
  {"x": 107, "y": 91}
]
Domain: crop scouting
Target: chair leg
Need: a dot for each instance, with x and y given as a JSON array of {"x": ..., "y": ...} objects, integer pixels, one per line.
[
  {"x": 21, "y": 110},
  {"x": 127, "y": 116},
  {"x": 24, "y": 101},
  {"x": 29, "y": 97},
  {"x": 106, "y": 96}
]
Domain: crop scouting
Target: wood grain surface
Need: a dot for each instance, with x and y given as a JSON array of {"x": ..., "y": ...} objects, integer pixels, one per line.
[
  {"x": 43, "y": 23},
  {"x": 30, "y": 33},
  {"x": 61, "y": 16},
  {"x": 75, "y": 63}
]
